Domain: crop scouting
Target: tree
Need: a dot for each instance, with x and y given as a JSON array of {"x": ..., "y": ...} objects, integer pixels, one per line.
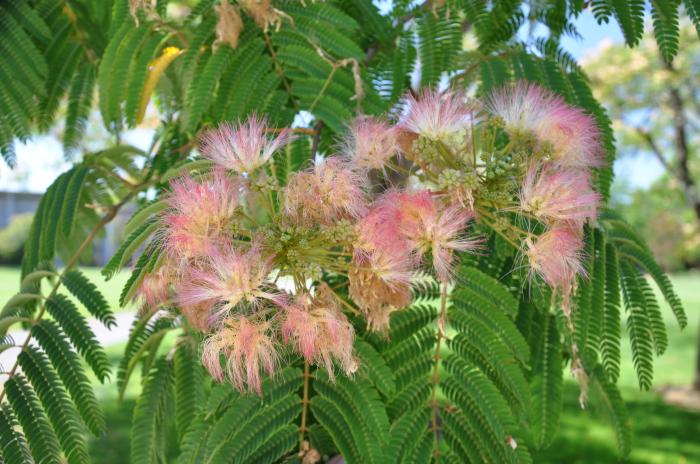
[
  {"x": 654, "y": 102},
  {"x": 490, "y": 392}
]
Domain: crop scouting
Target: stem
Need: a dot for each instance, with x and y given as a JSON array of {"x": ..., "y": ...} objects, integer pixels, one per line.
[
  {"x": 342, "y": 300},
  {"x": 304, "y": 405},
  {"x": 435, "y": 380},
  {"x": 493, "y": 218},
  {"x": 280, "y": 71}
]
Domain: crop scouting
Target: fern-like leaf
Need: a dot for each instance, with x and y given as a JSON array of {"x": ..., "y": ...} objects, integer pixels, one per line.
[
  {"x": 41, "y": 437},
  {"x": 76, "y": 327},
  {"x": 70, "y": 370},
  {"x": 13, "y": 445},
  {"x": 59, "y": 408},
  {"x": 87, "y": 293}
]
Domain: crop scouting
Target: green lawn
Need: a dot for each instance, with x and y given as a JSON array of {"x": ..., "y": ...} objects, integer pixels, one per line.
[
  {"x": 10, "y": 280},
  {"x": 661, "y": 433}
]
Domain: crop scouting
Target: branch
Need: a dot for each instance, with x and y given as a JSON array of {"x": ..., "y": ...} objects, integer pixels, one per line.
[
  {"x": 317, "y": 138},
  {"x": 682, "y": 147},
  {"x": 654, "y": 147}
]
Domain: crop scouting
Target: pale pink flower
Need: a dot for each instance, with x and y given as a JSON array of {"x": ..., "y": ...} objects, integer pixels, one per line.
[
  {"x": 442, "y": 235},
  {"x": 154, "y": 288},
  {"x": 380, "y": 230},
  {"x": 229, "y": 278},
  {"x": 247, "y": 347},
  {"x": 437, "y": 116},
  {"x": 556, "y": 256},
  {"x": 381, "y": 270},
  {"x": 403, "y": 223},
  {"x": 328, "y": 192},
  {"x": 242, "y": 147},
  {"x": 554, "y": 194},
  {"x": 375, "y": 297},
  {"x": 200, "y": 213},
  {"x": 370, "y": 143},
  {"x": 319, "y": 331},
  {"x": 395, "y": 217},
  {"x": 571, "y": 134}
]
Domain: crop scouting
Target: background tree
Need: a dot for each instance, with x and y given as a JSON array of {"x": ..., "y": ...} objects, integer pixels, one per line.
[
  {"x": 654, "y": 106},
  {"x": 495, "y": 391}
]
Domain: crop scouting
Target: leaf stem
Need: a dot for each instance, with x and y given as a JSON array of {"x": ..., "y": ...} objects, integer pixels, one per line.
[
  {"x": 304, "y": 405},
  {"x": 435, "y": 379}
]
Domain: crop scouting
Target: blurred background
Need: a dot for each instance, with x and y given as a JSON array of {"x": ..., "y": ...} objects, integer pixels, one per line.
[{"x": 656, "y": 114}]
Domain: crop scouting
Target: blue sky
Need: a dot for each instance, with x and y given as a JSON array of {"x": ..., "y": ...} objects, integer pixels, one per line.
[{"x": 41, "y": 159}]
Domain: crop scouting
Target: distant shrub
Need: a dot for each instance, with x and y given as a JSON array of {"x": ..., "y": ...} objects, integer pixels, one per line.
[{"x": 13, "y": 237}]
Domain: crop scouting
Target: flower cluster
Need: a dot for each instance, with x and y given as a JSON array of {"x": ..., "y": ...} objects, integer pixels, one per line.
[{"x": 267, "y": 265}]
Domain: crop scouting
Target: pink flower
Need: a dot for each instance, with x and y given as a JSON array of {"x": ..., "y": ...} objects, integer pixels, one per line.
[
  {"x": 437, "y": 116},
  {"x": 556, "y": 194},
  {"x": 370, "y": 143},
  {"x": 242, "y": 147},
  {"x": 403, "y": 224},
  {"x": 441, "y": 233},
  {"x": 556, "y": 256},
  {"x": 395, "y": 217},
  {"x": 319, "y": 331},
  {"x": 570, "y": 134},
  {"x": 325, "y": 194},
  {"x": 229, "y": 278},
  {"x": 154, "y": 289},
  {"x": 247, "y": 347},
  {"x": 200, "y": 214},
  {"x": 375, "y": 297}
]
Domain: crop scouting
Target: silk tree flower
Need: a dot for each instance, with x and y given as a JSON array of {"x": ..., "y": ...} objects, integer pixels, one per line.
[
  {"x": 248, "y": 347},
  {"x": 393, "y": 219},
  {"x": 155, "y": 287},
  {"x": 228, "y": 278},
  {"x": 570, "y": 134},
  {"x": 375, "y": 296},
  {"x": 198, "y": 316},
  {"x": 403, "y": 223},
  {"x": 263, "y": 13},
  {"x": 442, "y": 235},
  {"x": 370, "y": 143},
  {"x": 556, "y": 256},
  {"x": 243, "y": 147},
  {"x": 328, "y": 192},
  {"x": 554, "y": 194},
  {"x": 437, "y": 116},
  {"x": 319, "y": 331},
  {"x": 200, "y": 213}
]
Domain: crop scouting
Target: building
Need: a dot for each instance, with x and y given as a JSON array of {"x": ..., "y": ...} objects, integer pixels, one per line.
[{"x": 12, "y": 203}]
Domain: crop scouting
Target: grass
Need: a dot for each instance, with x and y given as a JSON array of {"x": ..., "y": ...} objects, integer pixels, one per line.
[
  {"x": 661, "y": 433},
  {"x": 10, "y": 281}
]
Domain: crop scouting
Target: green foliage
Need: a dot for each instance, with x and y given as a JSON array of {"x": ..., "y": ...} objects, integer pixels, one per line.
[
  {"x": 75, "y": 326},
  {"x": 150, "y": 414},
  {"x": 478, "y": 379},
  {"x": 546, "y": 385},
  {"x": 86, "y": 292}
]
